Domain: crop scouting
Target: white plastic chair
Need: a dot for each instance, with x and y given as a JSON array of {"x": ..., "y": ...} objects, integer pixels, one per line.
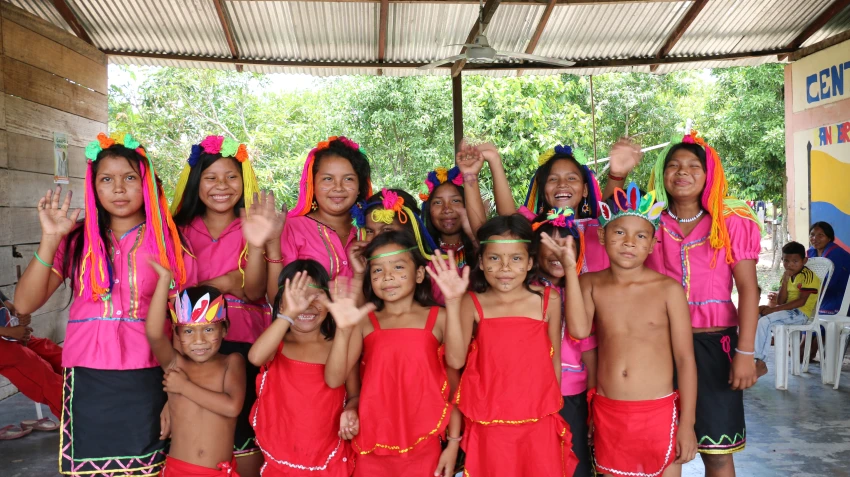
[
  {"x": 842, "y": 340},
  {"x": 787, "y": 337},
  {"x": 833, "y": 339}
]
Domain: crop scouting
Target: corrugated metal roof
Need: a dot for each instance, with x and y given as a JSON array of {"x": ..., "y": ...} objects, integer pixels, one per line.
[
  {"x": 45, "y": 10},
  {"x": 347, "y": 31},
  {"x": 609, "y": 30},
  {"x": 836, "y": 25},
  {"x": 188, "y": 27},
  {"x": 733, "y": 26}
]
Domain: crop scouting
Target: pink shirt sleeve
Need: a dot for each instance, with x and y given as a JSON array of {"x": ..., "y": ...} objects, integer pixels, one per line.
[
  {"x": 745, "y": 237},
  {"x": 587, "y": 344},
  {"x": 526, "y": 213}
]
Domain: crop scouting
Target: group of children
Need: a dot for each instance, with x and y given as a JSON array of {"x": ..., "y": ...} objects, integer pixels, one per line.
[{"x": 359, "y": 334}]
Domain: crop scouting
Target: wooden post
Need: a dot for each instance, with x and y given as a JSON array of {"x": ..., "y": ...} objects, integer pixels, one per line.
[
  {"x": 593, "y": 119},
  {"x": 457, "y": 109}
]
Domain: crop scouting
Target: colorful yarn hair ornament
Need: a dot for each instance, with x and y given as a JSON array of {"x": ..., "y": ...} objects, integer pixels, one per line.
[
  {"x": 306, "y": 192},
  {"x": 204, "y": 312},
  {"x": 393, "y": 206},
  {"x": 629, "y": 202},
  {"x": 594, "y": 193},
  {"x": 714, "y": 198},
  {"x": 160, "y": 238},
  {"x": 438, "y": 177}
]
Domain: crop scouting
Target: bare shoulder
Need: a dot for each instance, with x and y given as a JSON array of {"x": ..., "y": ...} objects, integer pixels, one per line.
[
  {"x": 590, "y": 278},
  {"x": 234, "y": 359}
]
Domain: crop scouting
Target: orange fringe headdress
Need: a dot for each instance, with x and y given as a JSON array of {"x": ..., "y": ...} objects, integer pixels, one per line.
[{"x": 714, "y": 197}]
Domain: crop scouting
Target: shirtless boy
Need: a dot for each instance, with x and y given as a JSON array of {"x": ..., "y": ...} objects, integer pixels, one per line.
[
  {"x": 205, "y": 389},
  {"x": 643, "y": 328}
]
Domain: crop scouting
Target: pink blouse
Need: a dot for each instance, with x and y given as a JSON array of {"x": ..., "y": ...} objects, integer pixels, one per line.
[
  {"x": 573, "y": 370},
  {"x": 688, "y": 260},
  {"x": 110, "y": 333},
  {"x": 217, "y": 257},
  {"x": 595, "y": 256},
  {"x": 304, "y": 238}
]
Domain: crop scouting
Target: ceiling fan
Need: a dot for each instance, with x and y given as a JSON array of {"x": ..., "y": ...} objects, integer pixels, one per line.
[{"x": 480, "y": 51}]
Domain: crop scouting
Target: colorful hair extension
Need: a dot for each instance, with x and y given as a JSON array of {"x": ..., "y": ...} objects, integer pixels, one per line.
[
  {"x": 306, "y": 192},
  {"x": 594, "y": 193},
  {"x": 96, "y": 269},
  {"x": 391, "y": 206},
  {"x": 714, "y": 197}
]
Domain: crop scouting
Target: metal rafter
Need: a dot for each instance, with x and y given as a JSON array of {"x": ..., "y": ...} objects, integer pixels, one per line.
[
  {"x": 818, "y": 23},
  {"x": 680, "y": 30},
  {"x": 481, "y": 23},
  {"x": 72, "y": 21},
  {"x": 538, "y": 32},
  {"x": 383, "y": 20},
  {"x": 228, "y": 32}
]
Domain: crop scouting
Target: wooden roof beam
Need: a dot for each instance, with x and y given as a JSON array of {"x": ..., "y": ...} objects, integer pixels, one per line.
[
  {"x": 538, "y": 32},
  {"x": 72, "y": 21},
  {"x": 580, "y": 64},
  {"x": 680, "y": 30},
  {"x": 480, "y": 26},
  {"x": 228, "y": 32},
  {"x": 383, "y": 20},
  {"x": 817, "y": 24}
]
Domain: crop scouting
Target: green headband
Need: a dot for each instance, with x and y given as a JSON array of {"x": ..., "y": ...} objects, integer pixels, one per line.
[
  {"x": 394, "y": 252},
  {"x": 505, "y": 241}
]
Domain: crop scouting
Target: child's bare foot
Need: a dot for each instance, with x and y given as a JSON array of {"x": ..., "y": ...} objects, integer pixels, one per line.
[{"x": 761, "y": 368}]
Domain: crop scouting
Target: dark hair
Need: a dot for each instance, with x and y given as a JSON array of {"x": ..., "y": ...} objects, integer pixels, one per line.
[
  {"x": 827, "y": 229},
  {"x": 470, "y": 253},
  {"x": 694, "y": 149},
  {"x": 74, "y": 242},
  {"x": 317, "y": 272},
  {"x": 794, "y": 248},
  {"x": 507, "y": 225},
  {"x": 422, "y": 293},
  {"x": 198, "y": 292},
  {"x": 359, "y": 162},
  {"x": 554, "y": 232},
  {"x": 542, "y": 175},
  {"x": 191, "y": 204}
]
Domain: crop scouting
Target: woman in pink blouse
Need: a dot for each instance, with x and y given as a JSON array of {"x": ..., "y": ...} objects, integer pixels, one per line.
[
  {"x": 113, "y": 384},
  {"x": 706, "y": 240},
  {"x": 218, "y": 185}
]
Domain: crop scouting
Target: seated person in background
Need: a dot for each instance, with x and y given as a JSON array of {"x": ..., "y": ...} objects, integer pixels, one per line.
[
  {"x": 795, "y": 303},
  {"x": 33, "y": 365}
]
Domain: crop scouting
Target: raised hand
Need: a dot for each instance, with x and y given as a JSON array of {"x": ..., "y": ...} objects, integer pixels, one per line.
[
  {"x": 260, "y": 223},
  {"x": 625, "y": 156},
  {"x": 563, "y": 247},
  {"x": 55, "y": 219},
  {"x": 469, "y": 159},
  {"x": 162, "y": 272},
  {"x": 444, "y": 272},
  {"x": 342, "y": 304},
  {"x": 356, "y": 258},
  {"x": 489, "y": 151},
  {"x": 295, "y": 299}
]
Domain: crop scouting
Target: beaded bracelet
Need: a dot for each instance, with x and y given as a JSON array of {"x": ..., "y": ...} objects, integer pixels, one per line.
[
  {"x": 455, "y": 439},
  {"x": 271, "y": 260}
]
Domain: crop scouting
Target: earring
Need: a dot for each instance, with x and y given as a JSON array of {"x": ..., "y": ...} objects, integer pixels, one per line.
[
  {"x": 315, "y": 206},
  {"x": 585, "y": 208}
]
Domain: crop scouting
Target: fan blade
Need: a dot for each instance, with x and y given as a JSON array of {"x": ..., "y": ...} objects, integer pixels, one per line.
[
  {"x": 535, "y": 58},
  {"x": 432, "y": 65},
  {"x": 467, "y": 45}
]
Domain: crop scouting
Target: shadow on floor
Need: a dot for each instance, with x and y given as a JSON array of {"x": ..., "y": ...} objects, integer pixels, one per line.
[{"x": 804, "y": 431}]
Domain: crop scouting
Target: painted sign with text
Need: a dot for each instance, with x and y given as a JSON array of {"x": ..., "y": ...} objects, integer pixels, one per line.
[{"x": 822, "y": 78}]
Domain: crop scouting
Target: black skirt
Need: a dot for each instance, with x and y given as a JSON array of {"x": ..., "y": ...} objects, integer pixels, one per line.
[
  {"x": 243, "y": 440},
  {"x": 110, "y": 422}
]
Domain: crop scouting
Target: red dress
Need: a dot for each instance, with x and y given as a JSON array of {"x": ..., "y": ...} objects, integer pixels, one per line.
[
  {"x": 404, "y": 401},
  {"x": 510, "y": 399},
  {"x": 296, "y": 418}
]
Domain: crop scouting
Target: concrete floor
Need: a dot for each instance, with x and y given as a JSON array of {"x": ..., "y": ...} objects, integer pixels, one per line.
[{"x": 804, "y": 431}]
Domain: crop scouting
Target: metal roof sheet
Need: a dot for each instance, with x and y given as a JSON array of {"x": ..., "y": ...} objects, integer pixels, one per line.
[{"x": 422, "y": 30}]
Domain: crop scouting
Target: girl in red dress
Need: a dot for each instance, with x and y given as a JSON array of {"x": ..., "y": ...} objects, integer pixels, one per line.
[
  {"x": 301, "y": 423},
  {"x": 404, "y": 407},
  {"x": 509, "y": 393}
]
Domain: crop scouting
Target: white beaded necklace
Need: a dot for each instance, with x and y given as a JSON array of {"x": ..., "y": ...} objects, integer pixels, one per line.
[{"x": 685, "y": 221}]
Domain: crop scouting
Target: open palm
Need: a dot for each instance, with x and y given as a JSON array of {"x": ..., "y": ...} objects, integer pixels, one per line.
[
  {"x": 452, "y": 283},
  {"x": 343, "y": 304},
  {"x": 295, "y": 295},
  {"x": 259, "y": 224},
  {"x": 625, "y": 156},
  {"x": 563, "y": 247},
  {"x": 55, "y": 219}
]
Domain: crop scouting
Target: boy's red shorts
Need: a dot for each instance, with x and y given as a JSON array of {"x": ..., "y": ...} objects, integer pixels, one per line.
[{"x": 178, "y": 468}]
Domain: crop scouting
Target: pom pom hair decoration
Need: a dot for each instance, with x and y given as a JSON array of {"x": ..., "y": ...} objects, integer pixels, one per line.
[
  {"x": 204, "y": 312},
  {"x": 594, "y": 193},
  {"x": 714, "y": 198},
  {"x": 565, "y": 218},
  {"x": 160, "y": 237},
  {"x": 306, "y": 192},
  {"x": 438, "y": 177},
  {"x": 392, "y": 206},
  {"x": 630, "y": 203}
]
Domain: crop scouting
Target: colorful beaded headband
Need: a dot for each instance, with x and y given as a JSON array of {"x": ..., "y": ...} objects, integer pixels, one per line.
[
  {"x": 204, "y": 312},
  {"x": 629, "y": 202}
]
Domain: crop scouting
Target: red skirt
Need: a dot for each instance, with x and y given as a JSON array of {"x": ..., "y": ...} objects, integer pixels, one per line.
[
  {"x": 421, "y": 461},
  {"x": 541, "y": 448},
  {"x": 635, "y": 438},
  {"x": 178, "y": 468}
]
